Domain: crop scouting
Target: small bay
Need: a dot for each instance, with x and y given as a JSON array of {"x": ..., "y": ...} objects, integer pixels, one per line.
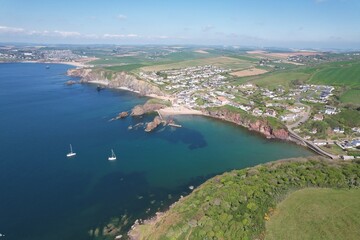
[{"x": 44, "y": 195}]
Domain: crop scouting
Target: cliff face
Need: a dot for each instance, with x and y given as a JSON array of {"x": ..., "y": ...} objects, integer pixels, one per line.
[
  {"x": 260, "y": 125},
  {"x": 152, "y": 125},
  {"x": 139, "y": 110},
  {"x": 115, "y": 80}
]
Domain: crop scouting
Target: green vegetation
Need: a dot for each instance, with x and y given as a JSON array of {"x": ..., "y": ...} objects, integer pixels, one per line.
[
  {"x": 159, "y": 101},
  {"x": 236, "y": 205},
  {"x": 348, "y": 117},
  {"x": 338, "y": 74},
  {"x": 224, "y": 62},
  {"x": 244, "y": 115},
  {"x": 273, "y": 80},
  {"x": 351, "y": 96},
  {"x": 316, "y": 214},
  {"x": 275, "y": 123},
  {"x": 124, "y": 68}
]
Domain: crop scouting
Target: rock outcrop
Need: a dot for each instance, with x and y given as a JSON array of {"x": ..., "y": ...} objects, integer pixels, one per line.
[
  {"x": 152, "y": 125},
  {"x": 123, "y": 115},
  {"x": 140, "y": 110},
  {"x": 259, "y": 125},
  {"x": 115, "y": 80},
  {"x": 70, "y": 82}
]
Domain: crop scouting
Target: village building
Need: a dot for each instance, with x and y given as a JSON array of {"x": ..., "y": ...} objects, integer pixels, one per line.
[
  {"x": 320, "y": 142},
  {"x": 318, "y": 117}
]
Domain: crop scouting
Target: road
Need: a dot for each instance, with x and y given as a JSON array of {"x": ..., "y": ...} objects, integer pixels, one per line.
[
  {"x": 309, "y": 144},
  {"x": 303, "y": 118}
]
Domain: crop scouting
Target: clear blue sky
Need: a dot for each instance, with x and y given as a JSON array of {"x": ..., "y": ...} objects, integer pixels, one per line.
[{"x": 287, "y": 23}]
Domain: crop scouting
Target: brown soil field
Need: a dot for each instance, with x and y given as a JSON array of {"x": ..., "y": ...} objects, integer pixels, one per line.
[{"x": 248, "y": 72}]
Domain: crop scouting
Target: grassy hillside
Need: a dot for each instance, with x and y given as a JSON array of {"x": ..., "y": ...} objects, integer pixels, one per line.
[
  {"x": 351, "y": 96},
  {"x": 225, "y": 62},
  {"x": 338, "y": 74},
  {"x": 274, "y": 80},
  {"x": 316, "y": 214},
  {"x": 237, "y": 204}
]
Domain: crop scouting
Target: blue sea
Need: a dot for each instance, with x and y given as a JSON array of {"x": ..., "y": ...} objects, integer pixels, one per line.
[{"x": 45, "y": 195}]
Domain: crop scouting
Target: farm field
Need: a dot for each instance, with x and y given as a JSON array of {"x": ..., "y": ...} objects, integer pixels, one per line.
[
  {"x": 248, "y": 72},
  {"x": 273, "y": 80},
  {"x": 316, "y": 214},
  {"x": 143, "y": 60},
  {"x": 338, "y": 74},
  {"x": 224, "y": 62},
  {"x": 351, "y": 96}
]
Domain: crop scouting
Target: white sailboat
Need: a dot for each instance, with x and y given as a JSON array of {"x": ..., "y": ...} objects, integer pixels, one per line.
[
  {"x": 113, "y": 156},
  {"x": 71, "y": 153}
]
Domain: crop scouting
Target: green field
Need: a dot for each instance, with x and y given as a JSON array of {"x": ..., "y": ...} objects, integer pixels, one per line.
[
  {"x": 236, "y": 205},
  {"x": 338, "y": 74},
  {"x": 142, "y": 59},
  {"x": 224, "y": 62},
  {"x": 348, "y": 117},
  {"x": 316, "y": 214},
  {"x": 273, "y": 80},
  {"x": 351, "y": 96},
  {"x": 125, "y": 68}
]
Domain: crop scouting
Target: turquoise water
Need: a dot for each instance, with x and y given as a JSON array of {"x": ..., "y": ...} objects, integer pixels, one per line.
[{"x": 44, "y": 195}]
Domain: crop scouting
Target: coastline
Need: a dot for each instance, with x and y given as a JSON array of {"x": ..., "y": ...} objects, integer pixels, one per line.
[
  {"x": 78, "y": 64},
  {"x": 261, "y": 126},
  {"x": 180, "y": 110}
]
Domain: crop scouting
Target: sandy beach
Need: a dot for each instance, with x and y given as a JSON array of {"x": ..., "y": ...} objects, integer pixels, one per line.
[{"x": 180, "y": 110}]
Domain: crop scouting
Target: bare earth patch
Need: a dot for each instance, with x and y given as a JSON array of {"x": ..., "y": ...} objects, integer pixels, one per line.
[
  {"x": 249, "y": 72},
  {"x": 284, "y": 55},
  {"x": 201, "y": 51}
]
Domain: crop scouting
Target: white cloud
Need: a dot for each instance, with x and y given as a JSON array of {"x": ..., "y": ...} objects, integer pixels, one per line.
[
  {"x": 67, "y": 34},
  {"x": 121, "y": 17},
  {"x": 5, "y": 29},
  {"x": 71, "y": 35},
  {"x": 119, "y": 36}
]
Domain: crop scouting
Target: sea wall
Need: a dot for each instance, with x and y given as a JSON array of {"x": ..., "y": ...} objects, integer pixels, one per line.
[{"x": 115, "y": 80}]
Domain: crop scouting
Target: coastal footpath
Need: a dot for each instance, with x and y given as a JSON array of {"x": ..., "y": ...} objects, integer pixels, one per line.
[{"x": 237, "y": 204}]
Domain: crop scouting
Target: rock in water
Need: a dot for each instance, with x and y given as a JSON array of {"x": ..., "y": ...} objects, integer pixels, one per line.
[
  {"x": 70, "y": 82},
  {"x": 137, "y": 111},
  {"x": 152, "y": 125},
  {"x": 123, "y": 115}
]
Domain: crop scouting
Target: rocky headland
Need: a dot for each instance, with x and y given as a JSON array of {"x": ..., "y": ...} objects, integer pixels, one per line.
[
  {"x": 115, "y": 80},
  {"x": 148, "y": 107},
  {"x": 260, "y": 125}
]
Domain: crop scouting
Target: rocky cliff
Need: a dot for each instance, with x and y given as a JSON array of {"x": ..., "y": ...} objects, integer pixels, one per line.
[
  {"x": 259, "y": 125},
  {"x": 152, "y": 125},
  {"x": 115, "y": 80},
  {"x": 139, "y": 110}
]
